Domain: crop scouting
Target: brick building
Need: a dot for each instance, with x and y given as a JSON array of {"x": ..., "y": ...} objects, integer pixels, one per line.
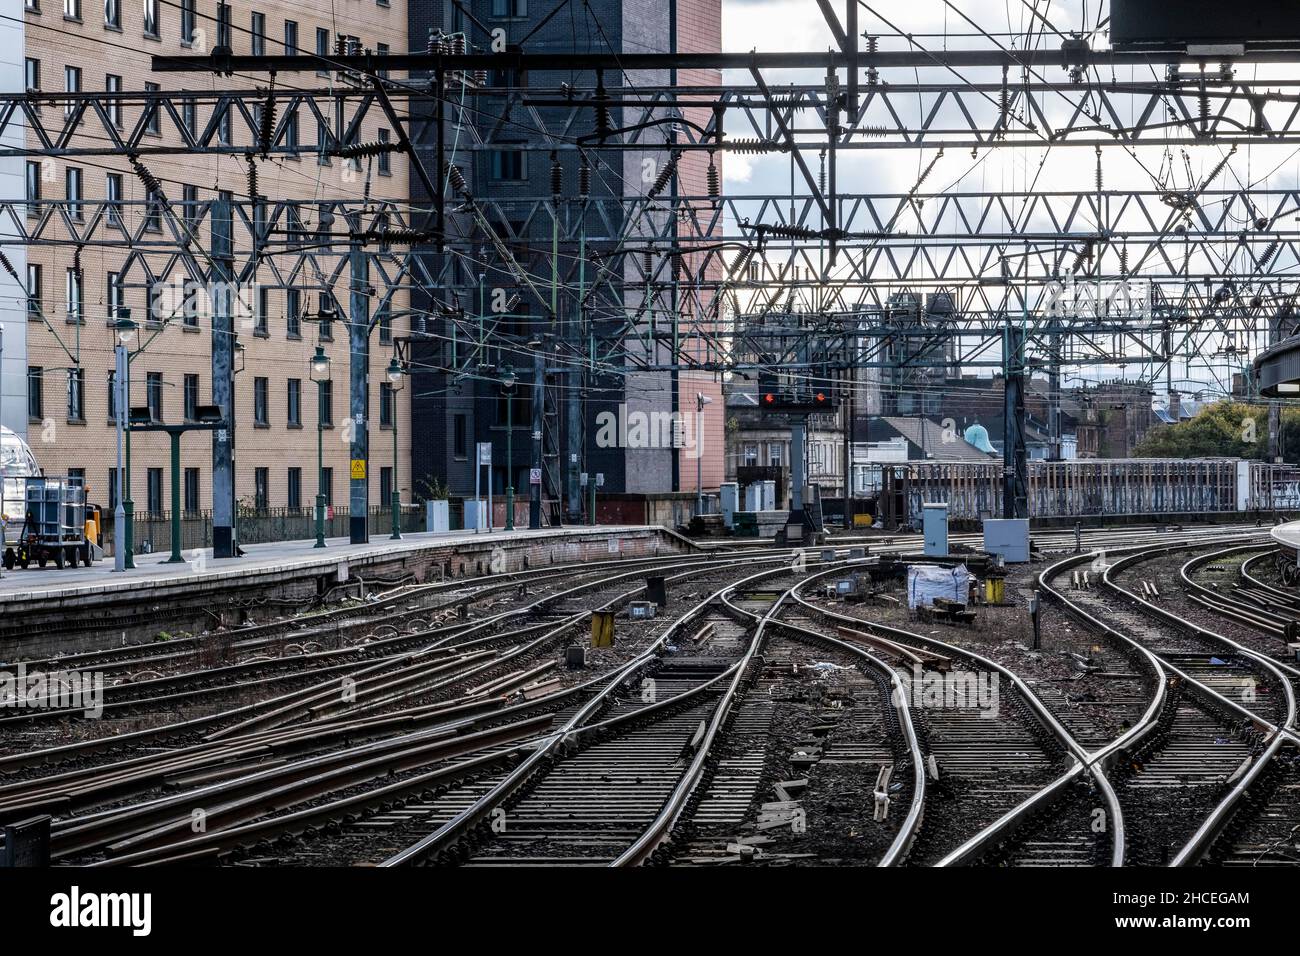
[{"x": 66, "y": 366}]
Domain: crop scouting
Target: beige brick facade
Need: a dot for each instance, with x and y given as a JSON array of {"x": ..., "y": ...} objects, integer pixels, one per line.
[{"x": 60, "y": 443}]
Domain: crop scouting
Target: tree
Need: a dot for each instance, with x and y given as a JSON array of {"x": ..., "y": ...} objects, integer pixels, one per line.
[{"x": 1225, "y": 429}]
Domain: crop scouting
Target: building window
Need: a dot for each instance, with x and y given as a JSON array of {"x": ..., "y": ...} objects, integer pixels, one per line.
[
  {"x": 293, "y": 403},
  {"x": 112, "y": 488},
  {"x": 76, "y": 392},
  {"x": 191, "y": 398},
  {"x": 33, "y": 188},
  {"x": 187, "y": 22},
  {"x": 327, "y": 485},
  {"x": 385, "y": 405},
  {"x": 71, "y": 84},
  {"x": 293, "y": 313},
  {"x": 154, "y": 482},
  {"x": 113, "y": 193},
  {"x": 326, "y": 410},
  {"x": 153, "y": 213},
  {"x": 191, "y": 490},
  {"x": 113, "y": 14},
  {"x": 154, "y": 395},
  {"x": 322, "y": 47},
  {"x": 385, "y": 486},
  {"x": 72, "y": 9},
  {"x": 460, "y": 441},
  {"x": 507, "y": 165},
  {"x": 34, "y": 295},
  {"x": 113, "y": 84},
  {"x": 74, "y": 295},
  {"x": 32, "y": 74},
  {"x": 223, "y": 24},
  {"x": 290, "y": 37},
  {"x": 261, "y": 492},
  {"x": 259, "y": 34},
  {"x": 224, "y": 134},
  {"x": 385, "y": 325},
  {"x": 193, "y": 293},
  {"x": 381, "y": 49},
  {"x": 72, "y": 184},
  {"x": 190, "y": 115},
  {"x": 295, "y": 489},
  {"x": 113, "y": 288},
  {"x": 385, "y": 159},
  {"x": 152, "y": 23},
  {"x": 152, "y": 122},
  {"x": 261, "y": 399},
  {"x": 261, "y": 324},
  {"x": 190, "y": 204},
  {"x": 35, "y": 393},
  {"x": 509, "y": 8},
  {"x": 33, "y": 5},
  {"x": 289, "y": 137}
]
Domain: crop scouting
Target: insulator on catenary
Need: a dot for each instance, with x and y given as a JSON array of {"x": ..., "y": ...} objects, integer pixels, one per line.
[
  {"x": 149, "y": 180},
  {"x": 741, "y": 262},
  {"x": 665, "y": 175},
  {"x": 1267, "y": 255},
  {"x": 7, "y": 265},
  {"x": 266, "y": 128},
  {"x": 252, "y": 179},
  {"x": 457, "y": 179},
  {"x": 584, "y": 178},
  {"x": 714, "y": 180},
  {"x": 648, "y": 260},
  {"x": 557, "y": 176}
]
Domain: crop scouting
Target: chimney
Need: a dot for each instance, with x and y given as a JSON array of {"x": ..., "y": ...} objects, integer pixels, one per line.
[{"x": 1175, "y": 406}]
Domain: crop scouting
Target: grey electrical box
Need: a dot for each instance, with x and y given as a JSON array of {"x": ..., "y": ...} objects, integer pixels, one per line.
[
  {"x": 729, "y": 499},
  {"x": 936, "y": 530},
  {"x": 1008, "y": 538}
]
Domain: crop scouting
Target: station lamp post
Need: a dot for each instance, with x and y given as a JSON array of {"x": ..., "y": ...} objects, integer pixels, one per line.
[
  {"x": 125, "y": 328},
  {"x": 320, "y": 374},
  {"x": 395, "y": 374},
  {"x": 508, "y": 386}
]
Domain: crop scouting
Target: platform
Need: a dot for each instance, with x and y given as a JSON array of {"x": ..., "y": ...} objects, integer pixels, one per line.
[
  {"x": 36, "y": 605},
  {"x": 1287, "y": 535}
]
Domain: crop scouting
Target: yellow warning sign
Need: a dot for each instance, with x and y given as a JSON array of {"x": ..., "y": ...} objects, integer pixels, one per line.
[{"x": 358, "y": 469}]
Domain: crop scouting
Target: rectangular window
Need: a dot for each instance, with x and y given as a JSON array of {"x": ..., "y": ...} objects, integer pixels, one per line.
[
  {"x": 33, "y": 5},
  {"x": 295, "y": 489},
  {"x": 33, "y": 188},
  {"x": 152, "y": 21},
  {"x": 32, "y": 74},
  {"x": 289, "y": 136},
  {"x": 154, "y": 395},
  {"x": 261, "y": 489},
  {"x": 193, "y": 292},
  {"x": 385, "y": 326},
  {"x": 155, "y": 491},
  {"x": 71, "y": 84},
  {"x": 72, "y": 184},
  {"x": 507, "y": 165},
  {"x": 509, "y": 8},
  {"x": 293, "y": 403},
  {"x": 261, "y": 321},
  {"x": 381, "y": 49},
  {"x": 153, "y": 213},
  {"x": 113, "y": 84},
  {"x": 113, "y": 14},
  {"x": 327, "y": 485},
  {"x": 34, "y": 292},
  {"x": 224, "y": 134},
  {"x": 259, "y": 34},
  {"x": 191, "y": 503},
  {"x": 293, "y": 313},
  {"x": 385, "y": 159},
  {"x": 76, "y": 391},
  {"x": 190, "y": 204},
  {"x": 74, "y": 296},
  {"x": 326, "y": 410},
  {"x": 261, "y": 399},
  {"x": 72, "y": 9},
  {"x": 191, "y": 397},
  {"x": 460, "y": 441},
  {"x": 113, "y": 288},
  {"x": 322, "y": 47},
  {"x": 35, "y": 393},
  {"x": 385, "y": 486},
  {"x": 385, "y": 405},
  {"x": 187, "y": 22},
  {"x": 113, "y": 194},
  {"x": 290, "y": 37},
  {"x": 153, "y": 123},
  {"x": 223, "y": 24},
  {"x": 190, "y": 115}
]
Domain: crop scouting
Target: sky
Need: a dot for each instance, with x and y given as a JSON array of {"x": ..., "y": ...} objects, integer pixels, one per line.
[{"x": 773, "y": 25}]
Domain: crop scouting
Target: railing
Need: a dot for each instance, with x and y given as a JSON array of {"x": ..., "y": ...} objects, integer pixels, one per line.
[{"x": 153, "y": 530}]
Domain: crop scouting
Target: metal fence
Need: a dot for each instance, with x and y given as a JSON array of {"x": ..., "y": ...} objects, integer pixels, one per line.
[{"x": 153, "y": 530}]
